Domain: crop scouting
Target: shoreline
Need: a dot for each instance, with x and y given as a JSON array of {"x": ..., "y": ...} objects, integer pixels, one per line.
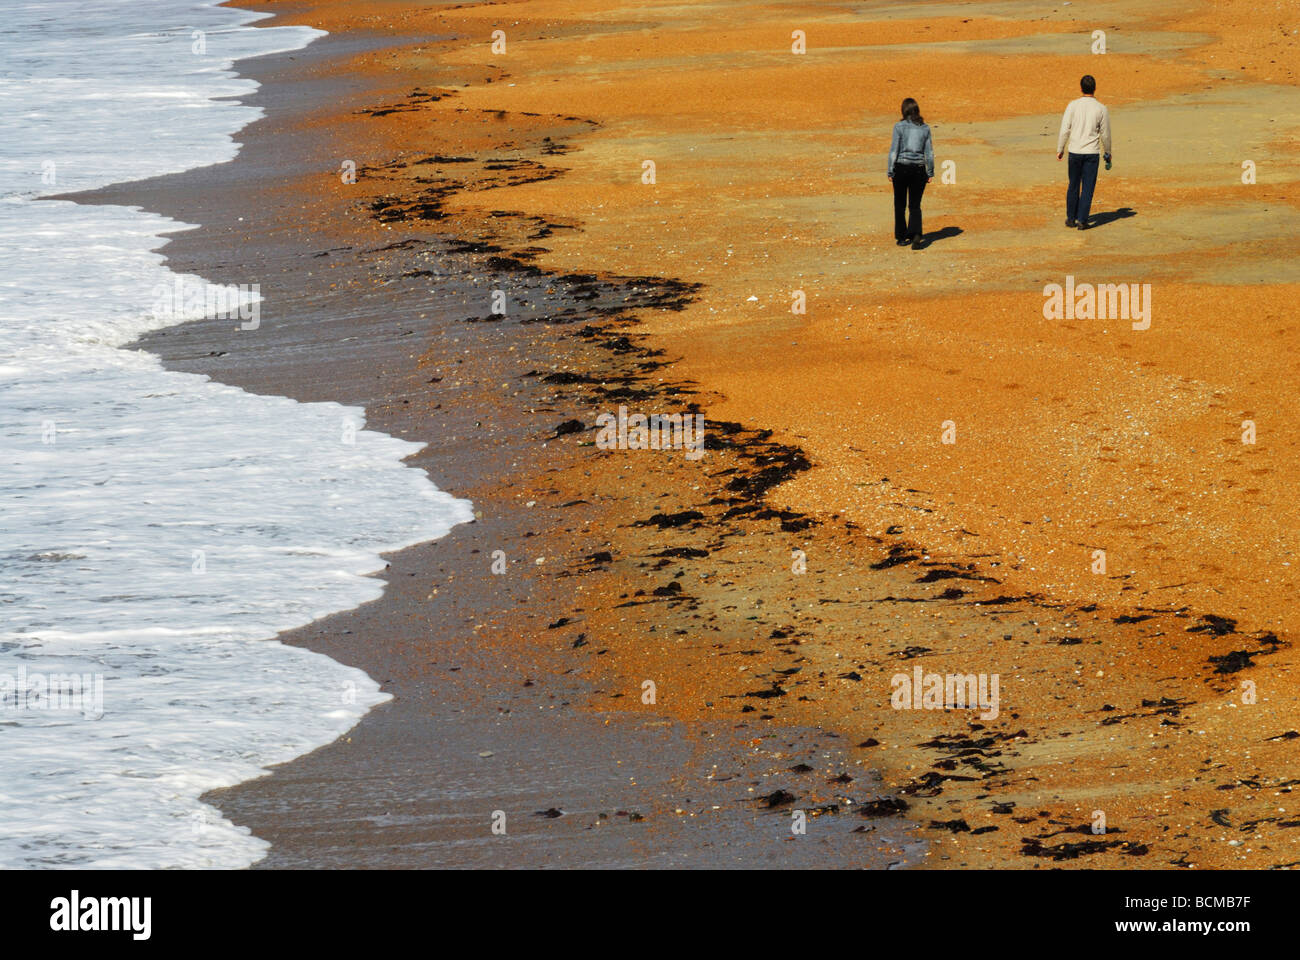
[{"x": 408, "y": 786}]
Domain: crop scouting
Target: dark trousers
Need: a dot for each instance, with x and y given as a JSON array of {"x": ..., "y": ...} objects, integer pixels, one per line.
[
  {"x": 1083, "y": 180},
  {"x": 909, "y": 184}
]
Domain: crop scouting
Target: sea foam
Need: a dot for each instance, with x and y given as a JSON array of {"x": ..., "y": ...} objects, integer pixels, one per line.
[{"x": 158, "y": 529}]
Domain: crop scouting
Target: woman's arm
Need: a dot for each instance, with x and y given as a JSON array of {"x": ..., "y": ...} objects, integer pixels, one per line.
[
  {"x": 929, "y": 154},
  {"x": 894, "y": 145}
]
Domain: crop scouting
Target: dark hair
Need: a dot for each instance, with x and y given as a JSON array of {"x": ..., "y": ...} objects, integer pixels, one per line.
[
  {"x": 911, "y": 111},
  {"x": 1088, "y": 85}
]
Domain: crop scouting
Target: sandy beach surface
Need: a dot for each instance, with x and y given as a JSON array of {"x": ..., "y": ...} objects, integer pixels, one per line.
[
  {"x": 488, "y": 714},
  {"x": 909, "y": 466}
]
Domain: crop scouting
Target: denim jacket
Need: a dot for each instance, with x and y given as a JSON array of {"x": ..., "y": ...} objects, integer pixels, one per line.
[{"x": 912, "y": 144}]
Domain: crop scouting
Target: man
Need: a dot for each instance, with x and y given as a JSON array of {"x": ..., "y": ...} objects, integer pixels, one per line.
[{"x": 1085, "y": 128}]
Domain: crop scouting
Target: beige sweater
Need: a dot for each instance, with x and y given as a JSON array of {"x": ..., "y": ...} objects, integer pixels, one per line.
[{"x": 1085, "y": 126}]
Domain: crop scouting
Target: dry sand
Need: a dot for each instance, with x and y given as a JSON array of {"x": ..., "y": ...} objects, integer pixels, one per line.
[{"x": 1157, "y": 692}]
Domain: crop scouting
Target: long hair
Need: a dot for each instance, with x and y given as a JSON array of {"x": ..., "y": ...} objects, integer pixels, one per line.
[{"x": 911, "y": 111}]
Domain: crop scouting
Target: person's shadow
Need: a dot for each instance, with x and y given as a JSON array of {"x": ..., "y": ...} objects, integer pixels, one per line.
[
  {"x": 944, "y": 234},
  {"x": 1101, "y": 219}
]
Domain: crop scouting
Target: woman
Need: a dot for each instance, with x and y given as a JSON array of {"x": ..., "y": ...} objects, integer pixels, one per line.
[{"x": 911, "y": 167}]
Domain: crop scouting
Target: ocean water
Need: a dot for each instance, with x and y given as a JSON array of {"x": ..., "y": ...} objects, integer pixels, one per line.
[{"x": 156, "y": 529}]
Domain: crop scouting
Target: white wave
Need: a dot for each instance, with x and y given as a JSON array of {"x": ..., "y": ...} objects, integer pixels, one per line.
[{"x": 157, "y": 528}]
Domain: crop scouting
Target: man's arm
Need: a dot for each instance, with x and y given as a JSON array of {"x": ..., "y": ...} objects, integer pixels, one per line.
[
  {"x": 1067, "y": 119},
  {"x": 1105, "y": 131}
]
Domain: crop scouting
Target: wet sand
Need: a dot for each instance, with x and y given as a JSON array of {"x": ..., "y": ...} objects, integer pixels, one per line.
[{"x": 829, "y": 540}]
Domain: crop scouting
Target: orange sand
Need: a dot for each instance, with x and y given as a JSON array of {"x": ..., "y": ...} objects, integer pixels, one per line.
[
  {"x": 1072, "y": 436},
  {"x": 1128, "y": 441}
]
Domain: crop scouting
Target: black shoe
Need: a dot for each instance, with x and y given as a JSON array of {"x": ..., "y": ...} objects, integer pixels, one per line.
[
  {"x": 917, "y": 242},
  {"x": 903, "y": 241},
  {"x": 1083, "y": 225},
  {"x": 1071, "y": 224}
]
